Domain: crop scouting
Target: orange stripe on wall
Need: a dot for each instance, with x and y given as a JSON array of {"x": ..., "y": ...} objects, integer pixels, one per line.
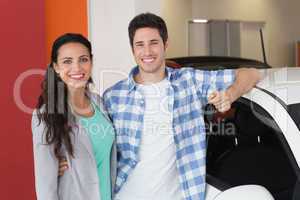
[{"x": 64, "y": 16}]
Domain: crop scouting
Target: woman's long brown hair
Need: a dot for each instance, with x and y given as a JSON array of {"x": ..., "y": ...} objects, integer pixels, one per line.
[{"x": 52, "y": 106}]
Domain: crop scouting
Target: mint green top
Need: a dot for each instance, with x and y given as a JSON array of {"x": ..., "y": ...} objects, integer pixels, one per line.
[{"x": 101, "y": 134}]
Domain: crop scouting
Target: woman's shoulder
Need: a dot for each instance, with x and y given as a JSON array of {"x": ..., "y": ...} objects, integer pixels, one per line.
[
  {"x": 37, "y": 125},
  {"x": 36, "y": 113},
  {"x": 96, "y": 98}
]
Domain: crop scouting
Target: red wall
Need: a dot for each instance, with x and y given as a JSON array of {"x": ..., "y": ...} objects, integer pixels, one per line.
[{"x": 22, "y": 39}]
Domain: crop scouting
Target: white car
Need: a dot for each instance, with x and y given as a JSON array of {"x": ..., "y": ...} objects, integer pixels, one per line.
[{"x": 254, "y": 149}]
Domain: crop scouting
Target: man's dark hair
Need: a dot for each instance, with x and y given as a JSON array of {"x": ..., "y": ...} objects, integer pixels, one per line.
[{"x": 147, "y": 20}]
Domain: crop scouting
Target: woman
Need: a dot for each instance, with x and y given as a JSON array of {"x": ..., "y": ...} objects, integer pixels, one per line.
[{"x": 70, "y": 122}]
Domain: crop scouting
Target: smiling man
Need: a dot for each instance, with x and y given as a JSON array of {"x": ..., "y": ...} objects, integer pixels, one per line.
[
  {"x": 149, "y": 53},
  {"x": 158, "y": 115}
]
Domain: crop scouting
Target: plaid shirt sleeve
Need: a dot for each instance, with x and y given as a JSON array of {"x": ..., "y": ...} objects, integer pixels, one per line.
[
  {"x": 106, "y": 101},
  {"x": 126, "y": 120},
  {"x": 210, "y": 81}
]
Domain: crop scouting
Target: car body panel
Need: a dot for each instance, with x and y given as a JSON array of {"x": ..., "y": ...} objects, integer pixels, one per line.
[
  {"x": 281, "y": 117},
  {"x": 283, "y": 83}
]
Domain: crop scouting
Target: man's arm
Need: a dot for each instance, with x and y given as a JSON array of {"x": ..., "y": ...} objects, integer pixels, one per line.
[{"x": 245, "y": 80}]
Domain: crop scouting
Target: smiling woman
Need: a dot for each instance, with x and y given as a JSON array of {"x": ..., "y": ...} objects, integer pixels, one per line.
[
  {"x": 70, "y": 122},
  {"x": 74, "y": 65}
]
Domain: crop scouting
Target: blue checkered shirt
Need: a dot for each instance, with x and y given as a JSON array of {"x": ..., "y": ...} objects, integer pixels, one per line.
[{"x": 188, "y": 91}]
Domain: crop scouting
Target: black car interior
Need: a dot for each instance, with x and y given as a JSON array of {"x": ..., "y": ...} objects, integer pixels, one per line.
[{"x": 245, "y": 146}]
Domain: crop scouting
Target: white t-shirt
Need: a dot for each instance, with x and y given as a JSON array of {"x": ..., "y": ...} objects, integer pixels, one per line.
[{"x": 155, "y": 176}]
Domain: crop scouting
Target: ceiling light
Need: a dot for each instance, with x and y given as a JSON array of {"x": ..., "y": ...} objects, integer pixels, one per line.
[{"x": 199, "y": 20}]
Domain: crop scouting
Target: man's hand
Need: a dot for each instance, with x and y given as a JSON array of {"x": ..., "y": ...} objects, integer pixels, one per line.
[
  {"x": 246, "y": 79},
  {"x": 221, "y": 100},
  {"x": 62, "y": 166}
]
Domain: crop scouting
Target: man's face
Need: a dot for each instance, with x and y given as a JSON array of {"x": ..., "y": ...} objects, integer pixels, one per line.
[{"x": 149, "y": 51}]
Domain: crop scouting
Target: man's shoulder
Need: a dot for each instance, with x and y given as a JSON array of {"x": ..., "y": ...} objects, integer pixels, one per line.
[
  {"x": 116, "y": 88},
  {"x": 183, "y": 73},
  {"x": 189, "y": 72}
]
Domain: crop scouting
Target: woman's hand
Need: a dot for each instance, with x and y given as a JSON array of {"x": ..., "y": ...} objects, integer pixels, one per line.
[{"x": 62, "y": 166}]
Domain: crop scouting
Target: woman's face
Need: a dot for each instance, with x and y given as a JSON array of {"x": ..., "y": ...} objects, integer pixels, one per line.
[{"x": 74, "y": 65}]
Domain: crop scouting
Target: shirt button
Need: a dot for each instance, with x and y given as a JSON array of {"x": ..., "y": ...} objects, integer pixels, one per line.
[{"x": 134, "y": 163}]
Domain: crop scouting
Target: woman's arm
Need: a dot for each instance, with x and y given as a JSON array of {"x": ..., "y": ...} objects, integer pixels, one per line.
[{"x": 45, "y": 164}]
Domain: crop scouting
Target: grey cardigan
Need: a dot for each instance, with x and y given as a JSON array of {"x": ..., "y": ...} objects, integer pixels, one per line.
[{"x": 80, "y": 181}]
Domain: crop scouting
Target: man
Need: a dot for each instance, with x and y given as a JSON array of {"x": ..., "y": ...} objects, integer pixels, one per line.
[{"x": 158, "y": 116}]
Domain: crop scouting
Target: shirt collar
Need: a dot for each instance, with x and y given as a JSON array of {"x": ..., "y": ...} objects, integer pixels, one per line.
[{"x": 131, "y": 82}]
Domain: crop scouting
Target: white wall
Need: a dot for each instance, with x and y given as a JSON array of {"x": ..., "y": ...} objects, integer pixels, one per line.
[
  {"x": 153, "y": 6},
  {"x": 176, "y": 13},
  {"x": 108, "y": 21},
  {"x": 108, "y": 24},
  {"x": 281, "y": 17}
]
